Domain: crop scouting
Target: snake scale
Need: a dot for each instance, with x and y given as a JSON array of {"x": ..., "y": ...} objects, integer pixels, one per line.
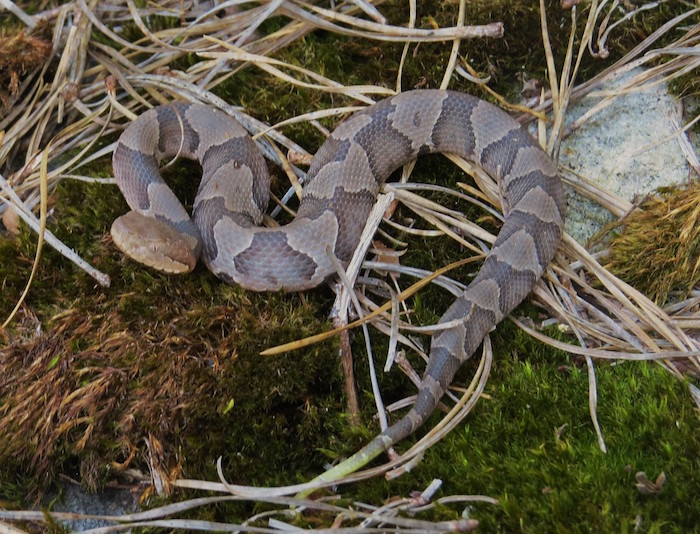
[{"x": 342, "y": 183}]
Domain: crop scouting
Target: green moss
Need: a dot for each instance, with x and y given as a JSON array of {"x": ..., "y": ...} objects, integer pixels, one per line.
[
  {"x": 156, "y": 355},
  {"x": 531, "y": 444}
]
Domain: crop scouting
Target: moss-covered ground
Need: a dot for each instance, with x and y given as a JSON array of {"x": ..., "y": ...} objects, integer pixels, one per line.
[{"x": 175, "y": 360}]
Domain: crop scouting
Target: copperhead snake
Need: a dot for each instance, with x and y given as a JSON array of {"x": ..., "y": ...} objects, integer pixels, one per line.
[{"x": 342, "y": 183}]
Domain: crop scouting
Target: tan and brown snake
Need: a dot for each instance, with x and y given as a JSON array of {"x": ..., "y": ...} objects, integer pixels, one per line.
[{"x": 342, "y": 183}]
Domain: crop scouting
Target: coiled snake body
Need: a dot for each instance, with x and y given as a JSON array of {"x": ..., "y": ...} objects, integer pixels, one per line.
[{"x": 342, "y": 183}]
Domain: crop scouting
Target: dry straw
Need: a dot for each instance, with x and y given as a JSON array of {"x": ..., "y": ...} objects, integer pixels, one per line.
[{"x": 97, "y": 88}]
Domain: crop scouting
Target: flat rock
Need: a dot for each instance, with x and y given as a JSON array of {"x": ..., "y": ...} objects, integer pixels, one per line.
[{"x": 628, "y": 148}]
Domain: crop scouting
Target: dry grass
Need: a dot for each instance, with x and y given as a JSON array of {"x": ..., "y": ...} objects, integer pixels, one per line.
[
  {"x": 96, "y": 87},
  {"x": 658, "y": 245}
]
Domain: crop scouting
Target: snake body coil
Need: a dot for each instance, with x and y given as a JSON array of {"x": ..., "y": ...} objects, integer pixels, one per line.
[{"x": 342, "y": 184}]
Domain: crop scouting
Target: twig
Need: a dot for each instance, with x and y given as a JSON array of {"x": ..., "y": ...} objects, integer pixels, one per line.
[{"x": 17, "y": 12}]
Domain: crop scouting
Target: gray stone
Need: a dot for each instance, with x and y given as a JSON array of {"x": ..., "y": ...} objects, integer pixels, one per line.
[
  {"x": 622, "y": 149},
  {"x": 74, "y": 499}
]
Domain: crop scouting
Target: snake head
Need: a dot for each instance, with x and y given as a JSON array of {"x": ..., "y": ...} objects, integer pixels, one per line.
[{"x": 154, "y": 243}]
